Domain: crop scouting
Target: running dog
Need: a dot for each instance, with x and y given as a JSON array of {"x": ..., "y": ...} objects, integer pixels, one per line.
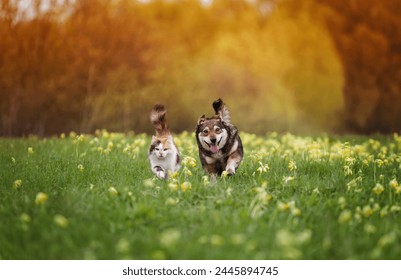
[{"x": 220, "y": 147}]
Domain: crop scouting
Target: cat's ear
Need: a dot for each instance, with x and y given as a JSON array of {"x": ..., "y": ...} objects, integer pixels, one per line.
[
  {"x": 201, "y": 120},
  {"x": 154, "y": 138}
]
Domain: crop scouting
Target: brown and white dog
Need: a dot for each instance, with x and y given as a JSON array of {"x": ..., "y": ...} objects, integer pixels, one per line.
[{"x": 220, "y": 147}]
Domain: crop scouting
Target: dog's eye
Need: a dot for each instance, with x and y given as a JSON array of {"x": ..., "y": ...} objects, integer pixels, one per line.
[
  {"x": 205, "y": 131},
  {"x": 218, "y": 130}
]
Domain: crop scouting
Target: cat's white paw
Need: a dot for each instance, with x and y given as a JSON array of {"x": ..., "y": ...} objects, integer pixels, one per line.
[{"x": 160, "y": 174}]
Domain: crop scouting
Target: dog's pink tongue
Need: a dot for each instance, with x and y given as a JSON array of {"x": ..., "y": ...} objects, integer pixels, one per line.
[{"x": 214, "y": 149}]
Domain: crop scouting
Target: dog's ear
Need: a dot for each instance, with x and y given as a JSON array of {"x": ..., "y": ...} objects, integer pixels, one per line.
[{"x": 201, "y": 120}]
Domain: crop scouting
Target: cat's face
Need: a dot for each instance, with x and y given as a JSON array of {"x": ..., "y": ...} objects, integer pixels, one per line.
[{"x": 161, "y": 147}]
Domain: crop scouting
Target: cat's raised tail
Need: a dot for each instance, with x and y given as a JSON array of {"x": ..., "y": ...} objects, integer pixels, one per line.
[{"x": 159, "y": 121}]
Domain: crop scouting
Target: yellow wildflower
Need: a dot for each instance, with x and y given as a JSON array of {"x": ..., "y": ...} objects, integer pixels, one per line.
[
  {"x": 347, "y": 170},
  {"x": 263, "y": 168},
  {"x": 238, "y": 238},
  {"x": 123, "y": 246},
  {"x": 172, "y": 175},
  {"x": 369, "y": 228},
  {"x": 81, "y": 167},
  {"x": 105, "y": 134},
  {"x": 205, "y": 180},
  {"x": 30, "y": 150},
  {"x": 350, "y": 161},
  {"x": 285, "y": 238},
  {"x": 353, "y": 184},
  {"x": 387, "y": 239},
  {"x": 216, "y": 240},
  {"x": 345, "y": 216},
  {"x": 172, "y": 201},
  {"x": 17, "y": 184},
  {"x": 283, "y": 206},
  {"x": 170, "y": 237},
  {"x": 304, "y": 236},
  {"x": 393, "y": 184},
  {"x": 378, "y": 189},
  {"x": 189, "y": 161},
  {"x": 113, "y": 191},
  {"x": 25, "y": 218},
  {"x": 341, "y": 201},
  {"x": 110, "y": 145},
  {"x": 187, "y": 172},
  {"x": 384, "y": 211},
  {"x": 292, "y": 165},
  {"x": 41, "y": 198},
  {"x": 148, "y": 183},
  {"x": 186, "y": 186},
  {"x": 287, "y": 179},
  {"x": 263, "y": 196},
  {"x": 79, "y": 138},
  {"x": 295, "y": 211},
  {"x": 173, "y": 186},
  {"x": 367, "y": 211},
  {"x": 61, "y": 221},
  {"x": 379, "y": 162}
]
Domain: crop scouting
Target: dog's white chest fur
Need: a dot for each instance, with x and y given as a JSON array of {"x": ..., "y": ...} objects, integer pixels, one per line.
[{"x": 210, "y": 160}]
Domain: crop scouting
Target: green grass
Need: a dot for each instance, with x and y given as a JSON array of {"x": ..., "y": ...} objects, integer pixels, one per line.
[{"x": 318, "y": 208}]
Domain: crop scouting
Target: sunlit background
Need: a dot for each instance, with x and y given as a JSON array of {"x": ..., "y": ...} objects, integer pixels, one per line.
[{"x": 280, "y": 65}]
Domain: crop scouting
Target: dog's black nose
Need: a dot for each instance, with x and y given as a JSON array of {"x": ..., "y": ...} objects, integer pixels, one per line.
[{"x": 213, "y": 140}]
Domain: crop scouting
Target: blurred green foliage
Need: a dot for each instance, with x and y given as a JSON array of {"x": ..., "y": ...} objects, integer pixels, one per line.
[{"x": 82, "y": 65}]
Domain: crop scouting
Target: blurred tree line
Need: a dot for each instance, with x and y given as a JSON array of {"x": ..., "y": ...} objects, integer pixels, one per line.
[
  {"x": 283, "y": 65},
  {"x": 367, "y": 35}
]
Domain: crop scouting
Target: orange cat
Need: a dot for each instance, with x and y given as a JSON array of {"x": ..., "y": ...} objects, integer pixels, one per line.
[{"x": 163, "y": 154}]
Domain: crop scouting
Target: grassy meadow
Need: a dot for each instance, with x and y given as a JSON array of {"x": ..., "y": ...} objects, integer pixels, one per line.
[{"x": 293, "y": 197}]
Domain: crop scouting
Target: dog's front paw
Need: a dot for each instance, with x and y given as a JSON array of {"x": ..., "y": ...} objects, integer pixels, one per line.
[{"x": 230, "y": 171}]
